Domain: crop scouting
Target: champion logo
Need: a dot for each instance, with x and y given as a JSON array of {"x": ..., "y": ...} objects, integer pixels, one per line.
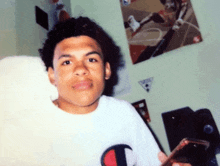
[{"x": 118, "y": 155}]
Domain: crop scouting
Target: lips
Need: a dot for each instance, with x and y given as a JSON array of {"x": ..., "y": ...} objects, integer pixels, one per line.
[{"x": 83, "y": 85}]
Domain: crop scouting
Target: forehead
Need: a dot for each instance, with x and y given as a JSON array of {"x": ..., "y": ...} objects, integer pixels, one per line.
[{"x": 79, "y": 43}]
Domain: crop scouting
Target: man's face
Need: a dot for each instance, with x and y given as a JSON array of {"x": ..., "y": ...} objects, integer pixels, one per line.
[{"x": 79, "y": 74}]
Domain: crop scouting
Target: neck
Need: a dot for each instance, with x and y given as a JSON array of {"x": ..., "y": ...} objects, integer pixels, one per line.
[{"x": 72, "y": 109}]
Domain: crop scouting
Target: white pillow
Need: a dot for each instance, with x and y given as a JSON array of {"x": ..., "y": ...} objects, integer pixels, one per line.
[{"x": 23, "y": 80}]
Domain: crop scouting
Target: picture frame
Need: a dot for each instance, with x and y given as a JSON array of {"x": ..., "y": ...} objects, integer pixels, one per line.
[{"x": 141, "y": 108}]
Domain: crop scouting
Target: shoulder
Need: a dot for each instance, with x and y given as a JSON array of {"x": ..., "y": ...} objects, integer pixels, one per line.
[
  {"x": 119, "y": 108},
  {"x": 114, "y": 102}
]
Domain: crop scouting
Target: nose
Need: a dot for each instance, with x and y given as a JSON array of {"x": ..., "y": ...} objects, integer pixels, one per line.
[{"x": 80, "y": 69}]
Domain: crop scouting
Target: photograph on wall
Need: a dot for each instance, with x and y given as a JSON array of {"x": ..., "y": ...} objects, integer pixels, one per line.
[
  {"x": 154, "y": 27},
  {"x": 141, "y": 108}
]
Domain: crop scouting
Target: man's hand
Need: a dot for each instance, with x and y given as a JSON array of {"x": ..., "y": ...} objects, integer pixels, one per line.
[{"x": 162, "y": 157}]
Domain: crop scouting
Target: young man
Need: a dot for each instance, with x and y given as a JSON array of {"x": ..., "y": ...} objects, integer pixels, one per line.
[{"x": 100, "y": 130}]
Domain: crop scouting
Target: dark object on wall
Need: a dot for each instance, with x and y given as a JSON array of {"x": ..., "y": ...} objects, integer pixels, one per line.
[
  {"x": 41, "y": 17},
  {"x": 185, "y": 122},
  {"x": 178, "y": 125},
  {"x": 141, "y": 108},
  {"x": 206, "y": 129}
]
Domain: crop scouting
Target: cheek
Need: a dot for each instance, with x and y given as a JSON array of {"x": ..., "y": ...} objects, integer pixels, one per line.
[
  {"x": 62, "y": 77},
  {"x": 99, "y": 73},
  {"x": 101, "y": 81}
]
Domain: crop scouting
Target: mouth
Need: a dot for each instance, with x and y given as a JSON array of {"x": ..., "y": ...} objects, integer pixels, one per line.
[{"x": 83, "y": 85}]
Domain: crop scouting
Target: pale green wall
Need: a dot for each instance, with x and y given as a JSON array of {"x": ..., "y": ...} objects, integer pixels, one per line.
[
  {"x": 7, "y": 31},
  {"x": 29, "y": 34},
  {"x": 185, "y": 77},
  {"x": 19, "y": 32},
  {"x": 107, "y": 14}
]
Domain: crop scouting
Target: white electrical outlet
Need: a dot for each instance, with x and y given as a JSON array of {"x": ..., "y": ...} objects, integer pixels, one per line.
[{"x": 146, "y": 84}]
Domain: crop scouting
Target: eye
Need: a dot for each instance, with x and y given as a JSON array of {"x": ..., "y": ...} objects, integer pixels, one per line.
[
  {"x": 66, "y": 62},
  {"x": 92, "y": 60}
]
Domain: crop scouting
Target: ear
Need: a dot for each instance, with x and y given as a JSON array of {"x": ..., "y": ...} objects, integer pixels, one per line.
[
  {"x": 108, "y": 71},
  {"x": 51, "y": 75}
]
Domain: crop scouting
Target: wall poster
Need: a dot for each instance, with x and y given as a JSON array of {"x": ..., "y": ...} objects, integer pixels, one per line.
[
  {"x": 141, "y": 108},
  {"x": 154, "y": 27}
]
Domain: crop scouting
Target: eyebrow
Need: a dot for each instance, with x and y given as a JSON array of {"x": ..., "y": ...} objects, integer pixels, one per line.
[{"x": 89, "y": 53}]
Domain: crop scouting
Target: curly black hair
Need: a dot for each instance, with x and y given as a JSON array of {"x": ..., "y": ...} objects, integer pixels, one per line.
[{"x": 84, "y": 26}]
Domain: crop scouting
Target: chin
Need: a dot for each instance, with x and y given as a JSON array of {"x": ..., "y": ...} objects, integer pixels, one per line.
[{"x": 86, "y": 99}]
